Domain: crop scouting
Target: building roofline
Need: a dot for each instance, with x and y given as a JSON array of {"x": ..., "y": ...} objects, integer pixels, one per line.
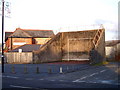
[
  {"x": 29, "y": 37},
  {"x": 80, "y": 31},
  {"x": 32, "y": 29},
  {"x": 22, "y": 46},
  {"x": 8, "y": 32}
]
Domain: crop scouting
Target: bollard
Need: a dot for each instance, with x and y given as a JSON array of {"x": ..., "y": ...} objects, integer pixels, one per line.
[
  {"x": 49, "y": 71},
  {"x": 25, "y": 70},
  {"x": 13, "y": 69},
  {"x": 37, "y": 70},
  {"x": 67, "y": 68},
  {"x": 61, "y": 70}
]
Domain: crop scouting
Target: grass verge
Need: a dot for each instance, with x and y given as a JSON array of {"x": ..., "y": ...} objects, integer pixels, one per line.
[{"x": 101, "y": 63}]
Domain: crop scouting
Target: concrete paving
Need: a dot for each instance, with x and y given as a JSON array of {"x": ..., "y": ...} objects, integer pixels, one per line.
[{"x": 73, "y": 76}]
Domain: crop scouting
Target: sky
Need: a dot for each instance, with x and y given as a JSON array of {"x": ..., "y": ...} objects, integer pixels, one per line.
[{"x": 57, "y": 15}]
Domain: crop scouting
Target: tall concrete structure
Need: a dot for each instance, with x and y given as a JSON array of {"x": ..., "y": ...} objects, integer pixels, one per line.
[{"x": 77, "y": 45}]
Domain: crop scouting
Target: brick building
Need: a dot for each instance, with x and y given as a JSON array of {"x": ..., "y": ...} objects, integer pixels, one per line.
[{"x": 21, "y": 37}]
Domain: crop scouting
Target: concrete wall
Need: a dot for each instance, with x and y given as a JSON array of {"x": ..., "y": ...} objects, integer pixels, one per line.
[
  {"x": 19, "y": 58},
  {"x": 51, "y": 51},
  {"x": 76, "y": 45},
  {"x": 110, "y": 51},
  {"x": 117, "y": 55},
  {"x": 113, "y": 52},
  {"x": 71, "y": 46},
  {"x": 98, "y": 54}
]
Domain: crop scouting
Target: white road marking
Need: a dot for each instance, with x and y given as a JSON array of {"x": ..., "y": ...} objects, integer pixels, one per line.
[
  {"x": 10, "y": 77},
  {"x": 40, "y": 79},
  {"x": 29, "y": 79},
  {"x": 107, "y": 82},
  {"x": 103, "y": 71},
  {"x": 85, "y": 77},
  {"x": 93, "y": 74},
  {"x": 61, "y": 80},
  {"x": 92, "y": 82},
  {"x": 19, "y": 86},
  {"x": 79, "y": 81}
]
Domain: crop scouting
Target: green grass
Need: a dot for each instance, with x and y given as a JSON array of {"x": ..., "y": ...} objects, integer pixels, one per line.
[{"x": 101, "y": 63}]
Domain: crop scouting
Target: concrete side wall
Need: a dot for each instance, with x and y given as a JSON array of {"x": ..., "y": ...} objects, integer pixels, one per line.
[
  {"x": 113, "y": 52},
  {"x": 98, "y": 54},
  {"x": 66, "y": 46},
  {"x": 76, "y": 45},
  {"x": 110, "y": 51},
  {"x": 51, "y": 51},
  {"x": 19, "y": 58}
]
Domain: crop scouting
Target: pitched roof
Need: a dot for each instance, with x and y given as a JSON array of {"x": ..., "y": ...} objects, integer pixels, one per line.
[
  {"x": 32, "y": 33},
  {"x": 7, "y": 34},
  {"x": 112, "y": 42},
  {"x": 27, "y": 48}
]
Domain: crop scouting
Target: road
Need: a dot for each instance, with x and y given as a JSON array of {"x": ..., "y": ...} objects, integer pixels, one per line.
[{"x": 73, "y": 76}]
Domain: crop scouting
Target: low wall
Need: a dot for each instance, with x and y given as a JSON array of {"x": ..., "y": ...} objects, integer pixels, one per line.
[{"x": 19, "y": 58}]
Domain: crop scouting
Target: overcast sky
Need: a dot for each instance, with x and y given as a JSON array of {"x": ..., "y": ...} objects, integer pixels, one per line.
[{"x": 56, "y": 14}]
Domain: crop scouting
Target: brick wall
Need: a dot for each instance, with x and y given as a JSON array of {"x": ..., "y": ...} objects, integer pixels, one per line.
[
  {"x": 41, "y": 40},
  {"x": 17, "y": 42}
]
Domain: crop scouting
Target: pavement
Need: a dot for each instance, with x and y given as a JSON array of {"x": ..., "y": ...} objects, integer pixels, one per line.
[{"x": 35, "y": 76}]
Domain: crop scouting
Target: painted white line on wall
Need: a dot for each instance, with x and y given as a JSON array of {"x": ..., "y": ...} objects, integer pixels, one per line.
[
  {"x": 102, "y": 71},
  {"x": 76, "y": 59}
]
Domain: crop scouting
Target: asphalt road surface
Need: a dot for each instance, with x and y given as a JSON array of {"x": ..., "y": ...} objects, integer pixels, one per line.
[{"x": 35, "y": 76}]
